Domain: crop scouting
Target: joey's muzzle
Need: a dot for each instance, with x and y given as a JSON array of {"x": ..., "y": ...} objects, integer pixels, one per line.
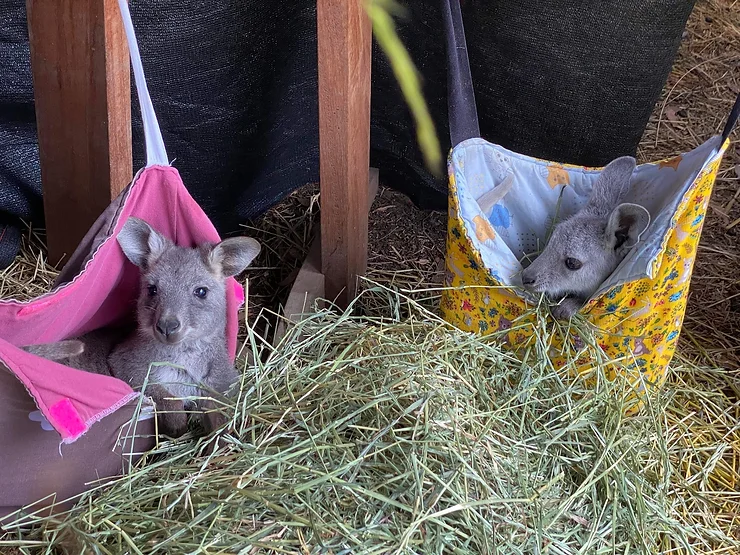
[
  {"x": 167, "y": 329},
  {"x": 528, "y": 279}
]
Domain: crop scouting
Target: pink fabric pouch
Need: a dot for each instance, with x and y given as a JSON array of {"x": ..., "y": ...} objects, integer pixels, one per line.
[{"x": 98, "y": 286}]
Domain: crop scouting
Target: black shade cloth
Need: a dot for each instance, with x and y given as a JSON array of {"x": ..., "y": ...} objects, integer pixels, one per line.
[{"x": 235, "y": 89}]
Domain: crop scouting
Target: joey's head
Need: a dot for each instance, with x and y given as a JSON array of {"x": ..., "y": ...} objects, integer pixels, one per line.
[
  {"x": 183, "y": 290},
  {"x": 586, "y": 248}
]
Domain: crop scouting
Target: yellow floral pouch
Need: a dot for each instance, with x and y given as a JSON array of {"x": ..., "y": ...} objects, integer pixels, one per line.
[
  {"x": 502, "y": 206},
  {"x": 636, "y": 314}
]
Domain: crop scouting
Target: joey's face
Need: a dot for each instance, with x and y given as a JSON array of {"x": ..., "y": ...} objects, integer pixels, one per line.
[
  {"x": 585, "y": 249},
  {"x": 182, "y": 298},
  {"x": 183, "y": 290},
  {"x": 576, "y": 260}
]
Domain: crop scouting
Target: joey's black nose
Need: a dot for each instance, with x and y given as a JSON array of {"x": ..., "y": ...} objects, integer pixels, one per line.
[
  {"x": 528, "y": 280},
  {"x": 168, "y": 326}
]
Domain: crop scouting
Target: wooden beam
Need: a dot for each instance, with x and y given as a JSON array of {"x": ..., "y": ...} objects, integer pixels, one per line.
[
  {"x": 82, "y": 89},
  {"x": 309, "y": 284},
  {"x": 344, "y": 55}
]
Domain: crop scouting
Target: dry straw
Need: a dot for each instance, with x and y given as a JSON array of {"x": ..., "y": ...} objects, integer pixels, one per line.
[
  {"x": 696, "y": 100},
  {"x": 356, "y": 435},
  {"x": 29, "y": 275}
]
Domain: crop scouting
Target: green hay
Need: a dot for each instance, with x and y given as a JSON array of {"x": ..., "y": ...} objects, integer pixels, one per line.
[
  {"x": 381, "y": 14},
  {"x": 356, "y": 436}
]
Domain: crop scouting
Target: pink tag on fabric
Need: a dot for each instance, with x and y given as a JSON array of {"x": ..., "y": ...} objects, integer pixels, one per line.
[{"x": 64, "y": 416}]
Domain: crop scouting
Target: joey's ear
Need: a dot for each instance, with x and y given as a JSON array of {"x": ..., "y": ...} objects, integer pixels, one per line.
[
  {"x": 140, "y": 243},
  {"x": 611, "y": 185},
  {"x": 626, "y": 225},
  {"x": 231, "y": 256}
]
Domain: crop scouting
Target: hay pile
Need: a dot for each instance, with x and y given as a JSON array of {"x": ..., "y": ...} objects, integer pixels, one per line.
[
  {"x": 285, "y": 233},
  {"x": 361, "y": 436}
]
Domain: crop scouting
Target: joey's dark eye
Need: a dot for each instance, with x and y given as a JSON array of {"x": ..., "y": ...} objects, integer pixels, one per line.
[
  {"x": 573, "y": 264},
  {"x": 200, "y": 292},
  {"x": 152, "y": 290}
]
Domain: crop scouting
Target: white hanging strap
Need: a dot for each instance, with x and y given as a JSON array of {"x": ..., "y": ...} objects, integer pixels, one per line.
[{"x": 156, "y": 155}]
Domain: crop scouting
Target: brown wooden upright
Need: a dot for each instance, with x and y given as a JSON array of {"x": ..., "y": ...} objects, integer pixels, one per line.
[
  {"x": 344, "y": 50},
  {"x": 81, "y": 79}
]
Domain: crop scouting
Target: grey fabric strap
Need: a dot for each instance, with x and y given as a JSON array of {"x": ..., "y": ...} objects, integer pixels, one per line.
[
  {"x": 462, "y": 112},
  {"x": 731, "y": 119}
]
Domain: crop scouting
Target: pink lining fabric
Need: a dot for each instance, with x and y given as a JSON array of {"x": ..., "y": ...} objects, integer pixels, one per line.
[{"x": 103, "y": 293}]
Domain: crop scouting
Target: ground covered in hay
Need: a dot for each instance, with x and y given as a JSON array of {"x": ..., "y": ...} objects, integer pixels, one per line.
[
  {"x": 359, "y": 436},
  {"x": 391, "y": 432}
]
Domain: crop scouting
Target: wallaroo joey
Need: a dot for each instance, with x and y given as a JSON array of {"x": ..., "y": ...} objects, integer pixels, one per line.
[
  {"x": 586, "y": 248},
  {"x": 181, "y": 326}
]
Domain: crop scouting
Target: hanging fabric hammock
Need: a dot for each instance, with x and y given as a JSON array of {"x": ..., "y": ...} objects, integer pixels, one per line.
[
  {"x": 638, "y": 311},
  {"x": 97, "y": 288}
]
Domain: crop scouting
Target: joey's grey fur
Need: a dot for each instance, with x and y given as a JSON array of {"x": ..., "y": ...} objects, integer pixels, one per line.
[
  {"x": 586, "y": 248},
  {"x": 181, "y": 321}
]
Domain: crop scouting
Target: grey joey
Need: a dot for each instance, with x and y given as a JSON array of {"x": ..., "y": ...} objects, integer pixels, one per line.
[
  {"x": 585, "y": 249},
  {"x": 180, "y": 327}
]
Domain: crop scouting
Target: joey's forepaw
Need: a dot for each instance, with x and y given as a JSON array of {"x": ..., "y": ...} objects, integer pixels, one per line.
[
  {"x": 216, "y": 424},
  {"x": 172, "y": 425},
  {"x": 213, "y": 417},
  {"x": 213, "y": 421},
  {"x": 172, "y": 419},
  {"x": 566, "y": 309}
]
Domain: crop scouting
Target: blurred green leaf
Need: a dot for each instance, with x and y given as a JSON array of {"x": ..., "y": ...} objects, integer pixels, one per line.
[{"x": 381, "y": 15}]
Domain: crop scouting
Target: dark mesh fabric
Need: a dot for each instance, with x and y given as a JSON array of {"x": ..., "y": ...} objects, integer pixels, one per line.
[
  {"x": 234, "y": 87},
  {"x": 20, "y": 176},
  {"x": 571, "y": 81}
]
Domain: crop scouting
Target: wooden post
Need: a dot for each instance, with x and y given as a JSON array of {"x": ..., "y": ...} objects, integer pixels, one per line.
[
  {"x": 82, "y": 89},
  {"x": 344, "y": 55}
]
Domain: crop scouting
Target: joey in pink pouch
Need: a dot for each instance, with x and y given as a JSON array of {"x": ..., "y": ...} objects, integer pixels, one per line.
[{"x": 179, "y": 344}]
